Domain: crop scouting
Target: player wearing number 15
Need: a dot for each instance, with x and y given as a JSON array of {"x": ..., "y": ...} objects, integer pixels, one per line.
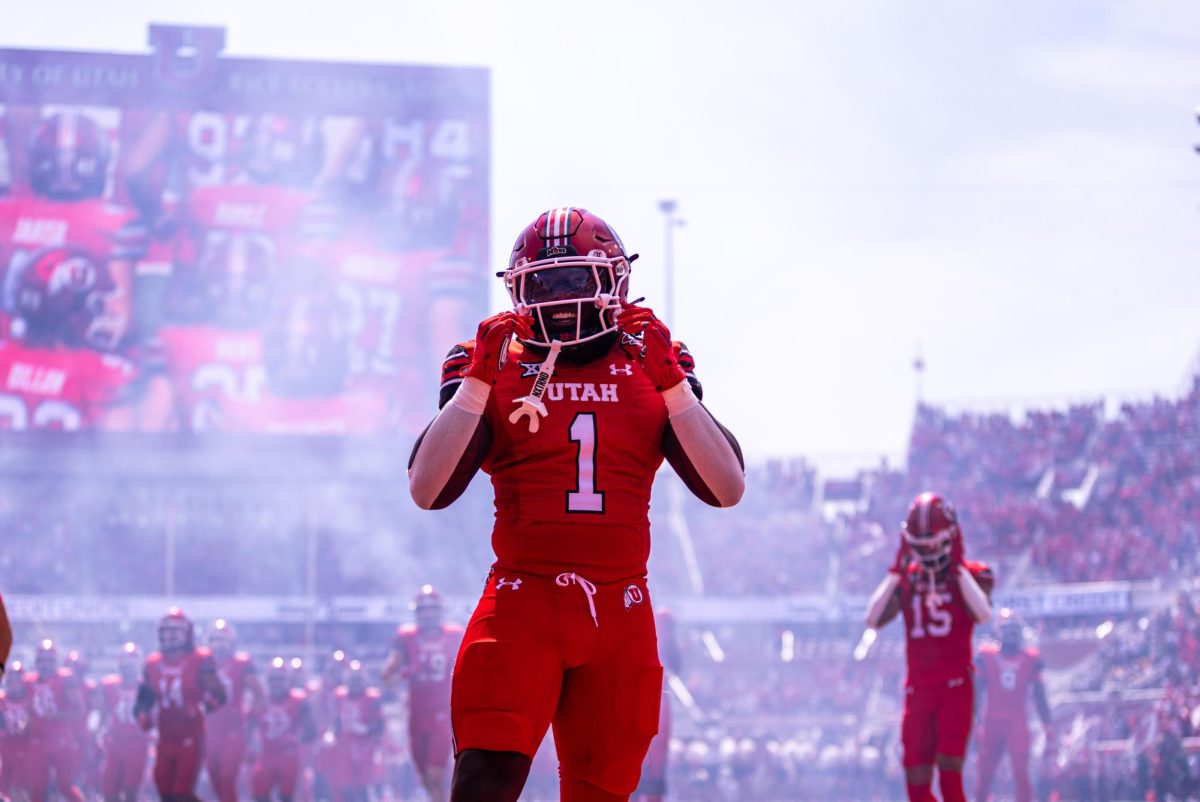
[
  {"x": 941, "y": 596},
  {"x": 180, "y": 681},
  {"x": 571, "y": 420}
]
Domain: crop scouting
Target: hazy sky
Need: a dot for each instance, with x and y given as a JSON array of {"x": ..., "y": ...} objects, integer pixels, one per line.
[{"x": 1010, "y": 185}]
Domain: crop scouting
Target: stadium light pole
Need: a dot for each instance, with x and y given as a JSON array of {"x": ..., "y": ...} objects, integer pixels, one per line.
[{"x": 669, "y": 207}]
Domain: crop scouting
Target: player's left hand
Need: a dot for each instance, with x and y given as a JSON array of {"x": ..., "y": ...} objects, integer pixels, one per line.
[
  {"x": 658, "y": 352},
  {"x": 956, "y": 552}
]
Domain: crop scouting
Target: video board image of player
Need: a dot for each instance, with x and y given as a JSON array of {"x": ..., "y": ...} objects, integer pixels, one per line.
[
  {"x": 67, "y": 252},
  {"x": 236, "y": 254},
  {"x": 301, "y": 207}
]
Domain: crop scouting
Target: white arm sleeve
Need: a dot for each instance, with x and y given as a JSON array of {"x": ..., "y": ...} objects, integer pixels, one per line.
[
  {"x": 973, "y": 595},
  {"x": 880, "y": 598},
  {"x": 705, "y": 445},
  {"x": 446, "y": 441}
]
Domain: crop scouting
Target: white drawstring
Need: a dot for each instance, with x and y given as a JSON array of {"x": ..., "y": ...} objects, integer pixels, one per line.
[{"x": 589, "y": 590}]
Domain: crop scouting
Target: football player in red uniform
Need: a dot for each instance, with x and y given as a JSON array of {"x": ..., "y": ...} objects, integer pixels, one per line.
[
  {"x": 423, "y": 655},
  {"x": 227, "y": 726},
  {"x": 15, "y": 738},
  {"x": 55, "y": 700},
  {"x": 67, "y": 257},
  {"x": 284, "y": 722},
  {"x": 180, "y": 682},
  {"x": 358, "y": 728},
  {"x": 941, "y": 596},
  {"x": 1006, "y": 673},
  {"x": 123, "y": 741},
  {"x": 570, "y": 402}
]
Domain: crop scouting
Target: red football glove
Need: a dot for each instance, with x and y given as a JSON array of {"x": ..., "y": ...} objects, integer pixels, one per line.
[
  {"x": 491, "y": 343},
  {"x": 659, "y": 362},
  {"x": 956, "y": 551}
]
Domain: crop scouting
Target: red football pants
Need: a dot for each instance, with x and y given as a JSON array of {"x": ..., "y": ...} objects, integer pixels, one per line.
[
  {"x": 994, "y": 738},
  {"x": 15, "y": 758},
  {"x": 177, "y": 765},
  {"x": 430, "y": 739},
  {"x": 61, "y": 757},
  {"x": 541, "y": 650},
  {"x": 224, "y": 762},
  {"x": 276, "y": 769},
  {"x": 937, "y": 720},
  {"x": 654, "y": 770},
  {"x": 123, "y": 766}
]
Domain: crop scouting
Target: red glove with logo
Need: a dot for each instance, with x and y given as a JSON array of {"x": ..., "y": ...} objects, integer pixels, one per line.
[
  {"x": 658, "y": 352},
  {"x": 491, "y": 343},
  {"x": 956, "y": 551}
]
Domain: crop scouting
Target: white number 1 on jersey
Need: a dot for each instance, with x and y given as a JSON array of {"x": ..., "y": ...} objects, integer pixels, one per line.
[{"x": 585, "y": 498}]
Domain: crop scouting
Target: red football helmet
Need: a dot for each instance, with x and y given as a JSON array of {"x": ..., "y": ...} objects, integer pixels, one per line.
[
  {"x": 931, "y": 530},
  {"x": 335, "y": 669},
  {"x": 356, "y": 678},
  {"x": 176, "y": 632},
  {"x": 76, "y": 662},
  {"x": 45, "y": 659},
  {"x": 222, "y": 639},
  {"x": 569, "y": 270},
  {"x": 278, "y": 681},
  {"x": 61, "y": 295},
  {"x": 428, "y": 608},
  {"x": 68, "y": 157},
  {"x": 1010, "y": 628},
  {"x": 129, "y": 662},
  {"x": 282, "y": 150},
  {"x": 14, "y": 680}
]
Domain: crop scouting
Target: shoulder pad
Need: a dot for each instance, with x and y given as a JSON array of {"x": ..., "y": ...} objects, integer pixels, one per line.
[
  {"x": 110, "y": 680},
  {"x": 298, "y": 695},
  {"x": 373, "y": 694},
  {"x": 453, "y": 629},
  {"x": 406, "y": 630}
]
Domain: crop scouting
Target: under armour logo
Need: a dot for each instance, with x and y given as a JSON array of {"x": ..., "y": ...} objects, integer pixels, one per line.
[
  {"x": 616, "y": 371},
  {"x": 530, "y": 369},
  {"x": 633, "y": 595},
  {"x": 515, "y": 584}
]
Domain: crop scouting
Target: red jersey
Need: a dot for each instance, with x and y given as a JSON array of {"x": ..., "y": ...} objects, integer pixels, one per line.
[
  {"x": 427, "y": 660},
  {"x": 207, "y": 366},
  {"x": 55, "y": 703},
  {"x": 358, "y": 718},
  {"x": 938, "y": 625},
  {"x": 575, "y": 495},
  {"x": 15, "y": 719},
  {"x": 1007, "y": 678},
  {"x": 179, "y": 693},
  {"x": 116, "y": 711},
  {"x": 59, "y": 388},
  {"x": 232, "y": 672},
  {"x": 280, "y": 722},
  {"x": 99, "y": 230}
]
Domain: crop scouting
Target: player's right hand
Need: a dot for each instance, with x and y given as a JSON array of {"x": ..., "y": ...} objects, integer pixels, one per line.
[{"x": 491, "y": 342}]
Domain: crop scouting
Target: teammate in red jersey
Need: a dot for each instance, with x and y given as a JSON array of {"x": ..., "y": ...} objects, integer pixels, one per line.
[
  {"x": 653, "y": 784},
  {"x": 941, "y": 596},
  {"x": 180, "y": 682},
  {"x": 16, "y": 740},
  {"x": 227, "y": 726},
  {"x": 571, "y": 420},
  {"x": 284, "y": 722},
  {"x": 1005, "y": 675},
  {"x": 123, "y": 741},
  {"x": 55, "y": 701},
  {"x": 358, "y": 728},
  {"x": 423, "y": 655}
]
